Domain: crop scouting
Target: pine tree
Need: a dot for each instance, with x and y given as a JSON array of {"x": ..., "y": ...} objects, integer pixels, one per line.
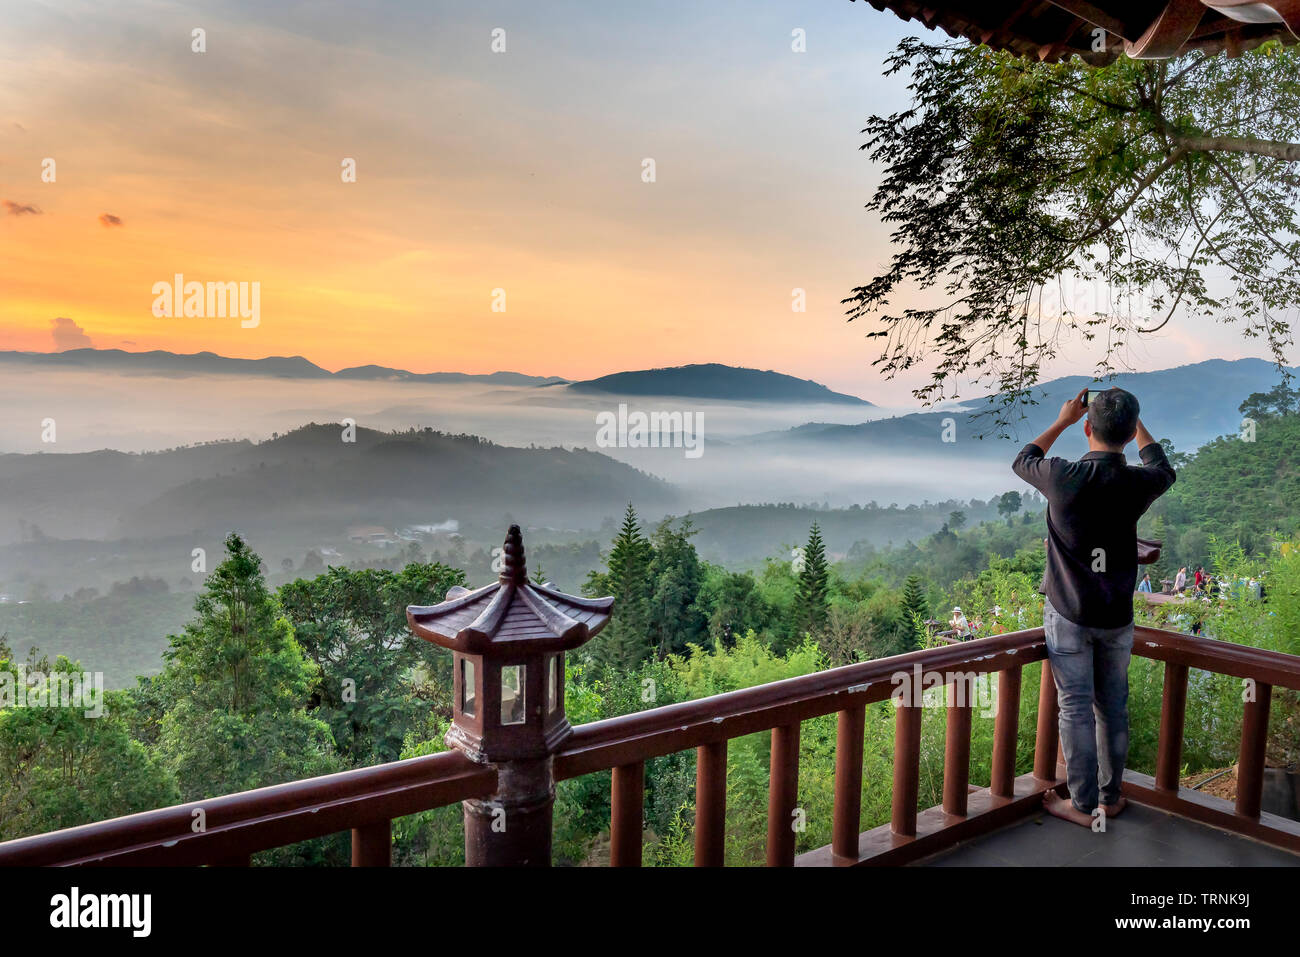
[
  {"x": 235, "y": 690},
  {"x": 812, "y": 602},
  {"x": 626, "y": 640},
  {"x": 913, "y": 610}
]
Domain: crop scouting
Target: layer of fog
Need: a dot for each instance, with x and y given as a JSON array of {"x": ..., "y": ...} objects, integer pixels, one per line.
[{"x": 92, "y": 411}]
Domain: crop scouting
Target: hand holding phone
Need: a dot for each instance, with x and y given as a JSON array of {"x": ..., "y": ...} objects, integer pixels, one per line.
[{"x": 1074, "y": 409}]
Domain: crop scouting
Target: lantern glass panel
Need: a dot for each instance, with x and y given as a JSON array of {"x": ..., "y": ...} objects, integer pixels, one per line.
[
  {"x": 552, "y": 684},
  {"x": 467, "y": 698},
  {"x": 512, "y": 694}
]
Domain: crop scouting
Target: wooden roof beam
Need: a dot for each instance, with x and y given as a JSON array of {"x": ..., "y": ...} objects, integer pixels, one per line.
[
  {"x": 1100, "y": 18},
  {"x": 1001, "y": 31},
  {"x": 1051, "y": 52}
]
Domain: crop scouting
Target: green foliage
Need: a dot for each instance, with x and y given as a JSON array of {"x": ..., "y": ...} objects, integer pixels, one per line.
[
  {"x": 60, "y": 766},
  {"x": 1008, "y": 504},
  {"x": 733, "y": 602},
  {"x": 676, "y": 620},
  {"x": 376, "y": 679},
  {"x": 582, "y": 804},
  {"x": 1279, "y": 400}
]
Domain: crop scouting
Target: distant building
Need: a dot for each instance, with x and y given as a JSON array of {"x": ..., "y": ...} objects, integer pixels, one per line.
[
  {"x": 371, "y": 535},
  {"x": 449, "y": 526}
]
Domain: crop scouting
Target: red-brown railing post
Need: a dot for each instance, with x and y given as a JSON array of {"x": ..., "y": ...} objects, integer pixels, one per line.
[
  {"x": 710, "y": 804},
  {"x": 1006, "y": 734},
  {"x": 956, "y": 746},
  {"x": 907, "y": 769},
  {"x": 847, "y": 822},
  {"x": 782, "y": 793},
  {"x": 1048, "y": 739},
  {"x": 1173, "y": 711},
  {"x": 627, "y": 808},
  {"x": 372, "y": 845},
  {"x": 1250, "y": 764},
  {"x": 508, "y": 641}
]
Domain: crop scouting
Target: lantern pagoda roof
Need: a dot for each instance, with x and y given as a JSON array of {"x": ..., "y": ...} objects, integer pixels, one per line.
[{"x": 511, "y": 614}]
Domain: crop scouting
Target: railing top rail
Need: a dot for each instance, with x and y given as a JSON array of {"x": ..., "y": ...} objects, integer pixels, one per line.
[
  {"x": 676, "y": 727},
  {"x": 665, "y": 730},
  {"x": 1221, "y": 657},
  {"x": 267, "y": 817}
]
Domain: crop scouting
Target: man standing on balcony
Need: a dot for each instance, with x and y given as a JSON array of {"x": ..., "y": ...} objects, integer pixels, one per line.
[{"x": 1093, "y": 508}]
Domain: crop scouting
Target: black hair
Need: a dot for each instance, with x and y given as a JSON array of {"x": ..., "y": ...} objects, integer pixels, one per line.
[{"x": 1114, "y": 416}]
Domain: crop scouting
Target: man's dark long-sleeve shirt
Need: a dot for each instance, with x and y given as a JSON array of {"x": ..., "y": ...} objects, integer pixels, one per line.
[{"x": 1093, "y": 506}]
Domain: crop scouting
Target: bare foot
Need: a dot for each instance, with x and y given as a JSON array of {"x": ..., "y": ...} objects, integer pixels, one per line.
[
  {"x": 1112, "y": 810},
  {"x": 1066, "y": 811}
]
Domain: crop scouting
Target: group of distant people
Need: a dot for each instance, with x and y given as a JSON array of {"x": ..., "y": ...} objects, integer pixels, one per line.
[
  {"x": 1201, "y": 583},
  {"x": 1204, "y": 585},
  {"x": 1000, "y": 621}
]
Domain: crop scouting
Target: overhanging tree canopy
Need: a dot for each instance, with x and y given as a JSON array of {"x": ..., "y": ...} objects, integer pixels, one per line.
[{"x": 1034, "y": 201}]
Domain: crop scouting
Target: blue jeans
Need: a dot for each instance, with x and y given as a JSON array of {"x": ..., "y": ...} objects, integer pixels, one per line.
[{"x": 1090, "y": 666}]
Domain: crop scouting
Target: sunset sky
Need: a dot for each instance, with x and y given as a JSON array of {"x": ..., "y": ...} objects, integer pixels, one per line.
[{"x": 475, "y": 171}]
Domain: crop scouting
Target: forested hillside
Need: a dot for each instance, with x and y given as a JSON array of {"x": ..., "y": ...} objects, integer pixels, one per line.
[
  {"x": 1236, "y": 488},
  {"x": 322, "y": 476}
]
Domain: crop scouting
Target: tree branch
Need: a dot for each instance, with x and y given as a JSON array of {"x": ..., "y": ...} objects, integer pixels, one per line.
[
  {"x": 1147, "y": 180},
  {"x": 1239, "y": 144},
  {"x": 1245, "y": 200}
]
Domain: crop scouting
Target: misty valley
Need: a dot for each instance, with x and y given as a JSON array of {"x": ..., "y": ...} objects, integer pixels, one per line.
[{"x": 98, "y": 544}]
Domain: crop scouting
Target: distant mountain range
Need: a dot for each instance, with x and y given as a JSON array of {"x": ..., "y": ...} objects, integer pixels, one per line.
[
  {"x": 715, "y": 381},
  {"x": 702, "y": 381},
  {"x": 160, "y": 362},
  {"x": 1190, "y": 405}
]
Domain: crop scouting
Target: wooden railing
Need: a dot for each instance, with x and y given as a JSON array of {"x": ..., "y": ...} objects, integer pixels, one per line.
[
  {"x": 226, "y": 830},
  {"x": 366, "y": 800},
  {"x": 1260, "y": 672},
  {"x": 707, "y": 724}
]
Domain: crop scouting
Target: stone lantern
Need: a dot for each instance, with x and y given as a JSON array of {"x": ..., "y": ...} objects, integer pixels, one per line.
[{"x": 508, "y": 641}]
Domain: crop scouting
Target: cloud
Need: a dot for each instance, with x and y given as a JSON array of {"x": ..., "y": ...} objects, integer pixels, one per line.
[
  {"x": 108, "y": 219},
  {"x": 68, "y": 335},
  {"x": 17, "y": 209}
]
